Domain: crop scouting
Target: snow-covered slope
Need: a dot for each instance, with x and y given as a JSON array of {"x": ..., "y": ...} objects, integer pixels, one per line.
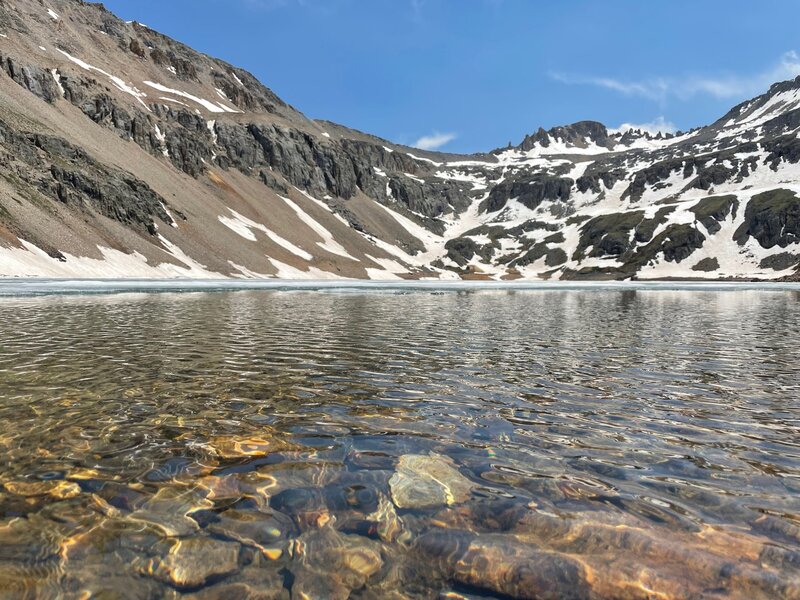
[{"x": 126, "y": 153}]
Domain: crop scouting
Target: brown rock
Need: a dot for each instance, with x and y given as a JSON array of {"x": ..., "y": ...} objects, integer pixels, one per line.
[
  {"x": 235, "y": 447},
  {"x": 169, "y": 511},
  {"x": 192, "y": 562},
  {"x": 55, "y": 489},
  {"x": 252, "y": 528},
  {"x": 500, "y": 564},
  {"x": 329, "y": 566}
]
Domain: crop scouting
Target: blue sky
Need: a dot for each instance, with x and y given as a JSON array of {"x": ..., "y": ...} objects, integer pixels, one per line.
[{"x": 472, "y": 75}]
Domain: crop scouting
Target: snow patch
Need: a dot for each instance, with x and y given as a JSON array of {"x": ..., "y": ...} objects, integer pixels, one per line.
[
  {"x": 173, "y": 101},
  {"x": 329, "y": 244},
  {"x": 381, "y": 275},
  {"x": 57, "y": 79},
  {"x": 313, "y": 273},
  {"x": 212, "y": 129},
  {"x": 244, "y": 227},
  {"x": 421, "y": 159},
  {"x": 478, "y": 183},
  {"x": 32, "y": 261},
  {"x": 324, "y": 207},
  {"x": 208, "y": 105},
  {"x": 117, "y": 81},
  {"x": 162, "y": 140}
]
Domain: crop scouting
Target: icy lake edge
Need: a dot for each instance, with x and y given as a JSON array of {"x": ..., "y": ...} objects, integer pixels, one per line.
[{"x": 38, "y": 286}]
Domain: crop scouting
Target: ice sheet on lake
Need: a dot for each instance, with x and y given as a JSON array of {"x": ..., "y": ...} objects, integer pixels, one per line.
[{"x": 27, "y": 287}]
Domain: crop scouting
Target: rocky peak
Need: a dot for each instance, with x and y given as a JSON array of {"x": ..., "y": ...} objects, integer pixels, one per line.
[{"x": 582, "y": 135}]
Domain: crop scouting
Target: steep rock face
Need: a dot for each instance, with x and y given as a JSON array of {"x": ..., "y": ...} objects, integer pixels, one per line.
[
  {"x": 32, "y": 78},
  {"x": 772, "y": 218},
  {"x": 50, "y": 168},
  {"x": 529, "y": 191},
  {"x": 305, "y": 161},
  {"x": 258, "y": 189},
  {"x": 714, "y": 210}
]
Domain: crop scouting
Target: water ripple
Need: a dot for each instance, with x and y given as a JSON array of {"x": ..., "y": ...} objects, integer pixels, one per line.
[{"x": 676, "y": 408}]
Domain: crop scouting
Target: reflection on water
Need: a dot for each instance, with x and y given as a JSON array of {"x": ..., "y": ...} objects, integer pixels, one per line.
[{"x": 614, "y": 444}]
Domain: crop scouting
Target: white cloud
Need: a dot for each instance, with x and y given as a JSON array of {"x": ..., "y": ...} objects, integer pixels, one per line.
[
  {"x": 654, "y": 127},
  {"x": 660, "y": 89},
  {"x": 434, "y": 141}
]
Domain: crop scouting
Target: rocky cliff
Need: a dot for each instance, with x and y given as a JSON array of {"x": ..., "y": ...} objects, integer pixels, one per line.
[{"x": 125, "y": 153}]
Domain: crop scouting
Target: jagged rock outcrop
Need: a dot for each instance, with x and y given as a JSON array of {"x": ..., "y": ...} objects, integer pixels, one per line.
[{"x": 578, "y": 135}]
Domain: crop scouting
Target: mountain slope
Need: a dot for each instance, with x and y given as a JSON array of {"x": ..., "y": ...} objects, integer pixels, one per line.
[{"x": 125, "y": 153}]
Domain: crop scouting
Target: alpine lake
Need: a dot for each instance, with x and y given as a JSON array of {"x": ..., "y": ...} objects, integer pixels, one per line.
[{"x": 401, "y": 444}]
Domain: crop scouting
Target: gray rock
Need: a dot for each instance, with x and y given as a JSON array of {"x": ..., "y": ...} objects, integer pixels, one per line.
[
  {"x": 706, "y": 265},
  {"x": 772, "y": 218},
  {"x": 36, "y": 80}
]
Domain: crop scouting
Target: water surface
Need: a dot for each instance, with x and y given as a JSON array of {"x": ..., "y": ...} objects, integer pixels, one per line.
[{"x": 410, "y": 444}]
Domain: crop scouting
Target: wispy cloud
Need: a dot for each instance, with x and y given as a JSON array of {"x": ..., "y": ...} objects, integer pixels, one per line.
[
  {"x": 434, "y": 141},
  {"x": 661, "y": 89},
  {"x": 654, "y": 127}
]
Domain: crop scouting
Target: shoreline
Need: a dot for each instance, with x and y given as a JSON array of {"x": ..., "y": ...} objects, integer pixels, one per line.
[{"x": 43, "y": 287}]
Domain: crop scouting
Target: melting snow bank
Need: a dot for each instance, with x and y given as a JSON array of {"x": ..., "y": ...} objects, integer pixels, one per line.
[
  {"x": 33, "y": 287},
  {"x": 31, "y": 261}
]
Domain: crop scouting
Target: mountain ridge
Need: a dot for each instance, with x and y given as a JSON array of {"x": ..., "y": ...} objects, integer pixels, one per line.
[{"x": 126, "y": 153}]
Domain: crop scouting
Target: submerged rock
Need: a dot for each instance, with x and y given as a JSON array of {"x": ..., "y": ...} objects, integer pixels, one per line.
[
  {"x": 388, "y": 526},
  {"x": 633, "y": 558},
  {"x": 55, "y": 489},
  {"x": 35, "y": 559},
  {"x": 235, "y": 447},
  {"x": 502, "y": 565},
  {"x": 251, "y": 528},
  {"x": 192, "y": 562},
  {"x": 227, "y": 487},
  {"x": 169, "y": 511},
  {"x": 306, "y": 506},
  {"x": 427, "y": 482},
  {"x": 328, "y": 565},
  {"x": 252, "y": 583}
]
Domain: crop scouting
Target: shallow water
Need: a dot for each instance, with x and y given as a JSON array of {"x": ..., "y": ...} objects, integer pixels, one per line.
[{"x": 532, "y": 444}]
